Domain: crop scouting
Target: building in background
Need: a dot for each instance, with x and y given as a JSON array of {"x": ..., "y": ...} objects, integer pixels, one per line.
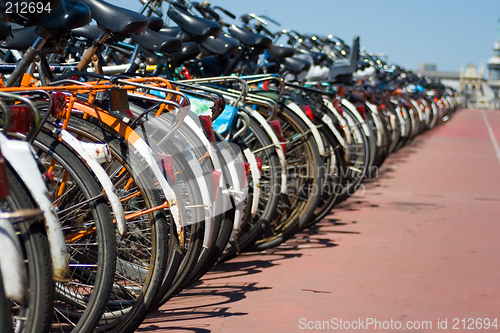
[
  {"x": 493, "y": 63},
  {"x": 483, "y": 92}
]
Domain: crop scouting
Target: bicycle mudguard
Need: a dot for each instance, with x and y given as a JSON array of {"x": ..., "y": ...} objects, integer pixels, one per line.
[
  {"x": 378, "y": 123},
  {"x": 146, "y": 153},
  {"x": 82, "y": 148},
  {"x": 197, "y": 171},
  {"x": 314, "y": 130},
  {"x": 12, "y": 267},
  {"x": 418, "y": 108},
  {"x": 191, "y": 123},
  {"x": 276, "y": 142},
  {"x": 20, "y": 157},
  {"x": 235, "y": 170},
  {"x": 356, "y": 113},
  {"x": 254, "y": 171},
  {"x": 341, "y": 119}
]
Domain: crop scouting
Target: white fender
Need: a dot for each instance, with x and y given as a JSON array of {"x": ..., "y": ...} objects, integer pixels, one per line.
[
  {"x": 340, "y": 118},
  {"x": 102, "y": 154},
  {"x": 358, "y": 116},
  {"x": 205, "y": 196},
  {"x": 145, "y": 151},
  {"x": 314, "y": 130},
  {"x": 20, "y": 157},
  {"x": 254, "y": 171},
  {"x": 277, "y": 143},
  {"x": 14, "y": 274},
  {"x": 377, "y": 121}
]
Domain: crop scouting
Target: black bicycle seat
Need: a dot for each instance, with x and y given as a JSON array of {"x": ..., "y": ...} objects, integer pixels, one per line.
[
  {"x": 90, "y": 32},
  {"x": 193, "y": 25},
  {"x": 155, "y": 41},
  {"x": 155, "y": 23},
  {"x": 296, "y": 65},
  {"x": 188, "y": 51},
  {"x": 171, "y": 31},
  {"x": 250, "y": 38},
  {"x": 5, "y": 30},
  {"x": 280, "y": 52},
  {"x": 116, "y": 19},
  {"x": 318, "y": 57},
  {"x": 21, "y": 39},
  {"x": 70, "y": 15},
  {"x": 222, "y": 45}
]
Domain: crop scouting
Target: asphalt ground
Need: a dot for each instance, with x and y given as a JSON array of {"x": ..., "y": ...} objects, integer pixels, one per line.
[{"x": 417, "y": 249}]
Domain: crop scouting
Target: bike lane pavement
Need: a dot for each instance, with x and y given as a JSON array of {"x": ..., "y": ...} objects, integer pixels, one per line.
[{"x": 415, "y": 248}]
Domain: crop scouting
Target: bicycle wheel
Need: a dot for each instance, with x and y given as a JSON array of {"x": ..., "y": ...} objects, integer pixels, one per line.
[
  {"x": 36, "y": 316},
  {"x": 358, "y": 155},
  {"x": 143, "y": 255},
  {"x": 304, "y": 180},
  {"x": 259, "y": 143},
  {"x": 90, "y": 237},
  {"x": 334, "y": 177},
  {"x": 5, "y": 315}
]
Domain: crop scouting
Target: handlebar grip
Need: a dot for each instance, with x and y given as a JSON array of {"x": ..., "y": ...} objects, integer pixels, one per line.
[
  {"x": 212, "y": 13},
  {"x": 228, "y": 13}
]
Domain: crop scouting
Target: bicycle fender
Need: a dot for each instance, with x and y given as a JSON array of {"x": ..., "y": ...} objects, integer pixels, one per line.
[
  {"x": 20, "y": 156},
  {"x": 205, "y": 197},
  {"x": 146, "y": 153},
  {"x": 14, "y": 274},
  {"x": 93, "y": 163},
  {"x": 281, "y": 155},
  {"x": 358, "y": 116},
  {"x": 340, "y": 118},
  {"x": 314, "y": 130},
  {"x": 213, "y": 154},
  {"x": 378, "y": 124},
  {"x": 254, "y": 171}
]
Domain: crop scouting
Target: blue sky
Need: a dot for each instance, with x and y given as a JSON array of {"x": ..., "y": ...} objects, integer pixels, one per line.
[{"x": 451, "y": 33}]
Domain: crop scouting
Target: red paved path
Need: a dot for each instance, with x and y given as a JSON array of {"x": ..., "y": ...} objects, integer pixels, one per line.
[{"x": 422, "y": 243}]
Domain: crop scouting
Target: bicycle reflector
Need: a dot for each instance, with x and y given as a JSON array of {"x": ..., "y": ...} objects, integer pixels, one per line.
[
  {"x": 206, "y": 121},
  {"x": 307, "y": 109},
  {"x": 275, "y": 124},
  {"x": 168, "y": 165},
  {"x": 21, "y": 118},
  {"x": 4, "y": 182},
  {"x": 246, "y": 165},
  {"x": 341, "y": 91},
  {"x": 59, "y": 107},
  {"x": 362, "y": 110},
  {"x": 259, "y": 161},
  {"x": 338, "y": 107},
  {"x": 216, "y": 175}
]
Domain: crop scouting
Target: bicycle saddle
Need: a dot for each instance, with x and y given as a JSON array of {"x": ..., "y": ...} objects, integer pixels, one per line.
[
  {"x": 250, "y": 38},
  {"x": 280, "y": 52},
  {"x": 116, "y": 19},
  {"x": 296, "y": 65},
  {"x": 188, "y": 51},
  {"x": 70, "y": 15},
  {"x": 222, "y": 45},
  {"x": 171, "y": 31},
  {"x": 155, "y": 23},
  {"x": 318, "y": 57},
  {"x": 90, "y": 32},
  {"x": 5, "y": 30},
  {"x": 21, "y": 39},
  {"x": 193, "y": 25},
  {"x": 155, "y": 41}
]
